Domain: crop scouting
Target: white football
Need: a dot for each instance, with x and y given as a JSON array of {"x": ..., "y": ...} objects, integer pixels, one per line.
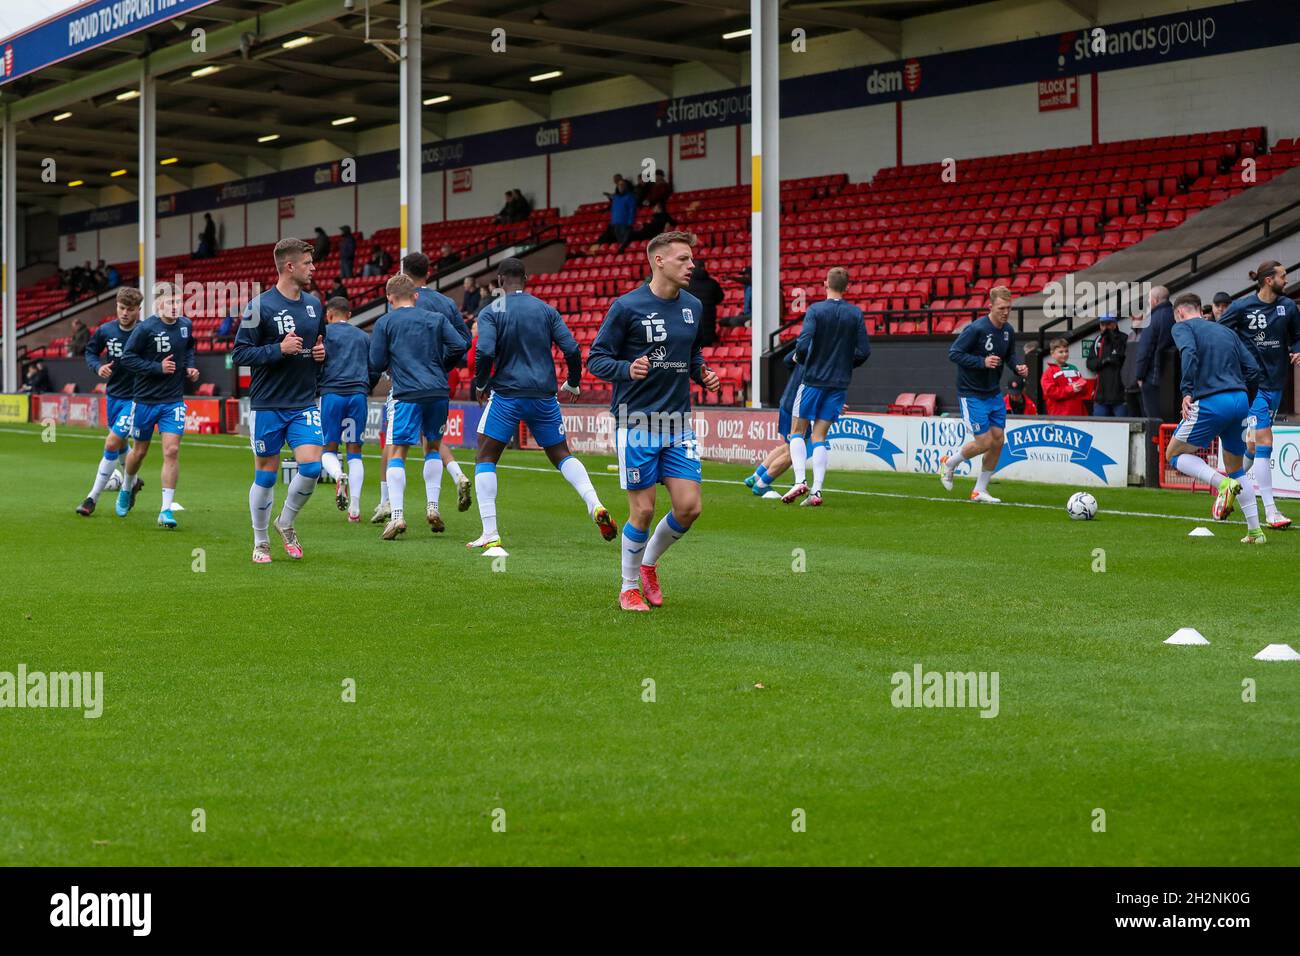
[
  {"x": 1081, "y": 506},
  {"x": 114, "y": 481}
]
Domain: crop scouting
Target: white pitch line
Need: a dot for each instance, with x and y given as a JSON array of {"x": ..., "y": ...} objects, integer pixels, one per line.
[{"x": 726, "y": 481}]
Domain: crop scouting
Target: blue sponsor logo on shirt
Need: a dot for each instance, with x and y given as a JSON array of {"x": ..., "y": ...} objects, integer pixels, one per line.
[
  {"x": 864, "y": 435},
  {"x": 1053, "y": 443}
]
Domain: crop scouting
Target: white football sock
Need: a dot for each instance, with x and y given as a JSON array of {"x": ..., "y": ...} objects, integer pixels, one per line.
[
  {"x": 819, "y": 456},
  {"x": 300, "y": 490},
  {"x": 1263, "y": 472},
  {"x": 356, "y": 476},
  {"x": 798, "y": 458},
  {"x": 454, "y": 470},
  {"x": 433, "y": 480},
  {"x": 128, "y": 478},
  {"x": 982, "y": 482},
  {"x": 383, "y": 490},
  {"x": 667, "y": 531},
  {"x": 329, "y": 460},
  {"x": 485, "y": 487},
  {"x": 576, "y": 475},
  {"x": 260, "y": 499},
  {"x": 955, "y": 459},
  {"x": 1249, "y": 509},
  {"x": 1195, "y": 467},
  {"x": 396, "y": 485},
  {"x": 168, "y": 496},
  {"x": 634, "y": 545},
  {"x": 102, "y": 474}
]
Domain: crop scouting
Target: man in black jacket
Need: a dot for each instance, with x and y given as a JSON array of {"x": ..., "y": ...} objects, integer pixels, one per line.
[
  {"x": 1155, "y": 350},
  {"x": 1107, "y": 360},
  {"x": 705, "y": 288}
]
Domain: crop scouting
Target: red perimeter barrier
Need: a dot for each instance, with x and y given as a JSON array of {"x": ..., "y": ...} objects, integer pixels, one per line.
[{"x": 1171, "y": 477}]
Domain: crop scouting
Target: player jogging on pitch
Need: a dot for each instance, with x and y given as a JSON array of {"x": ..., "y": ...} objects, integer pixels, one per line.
[
  {"x": 273, "y": 340},
  {"x": 1269, "y": 323},
  {"x": 778, "y": 459},
  {"x": 415, "y": 347},
  {"x": 1220, "y": 377},
  {"x": 344, "y": 388},
  {"x": 647, "y": 348},
  {"x": 980, "y": 352},
  {"x": 514, "y": 370},
  {"x": 110, "y": 340},
  {"x": 158, "y": 397},
  {"x": 831, "y": 344}
]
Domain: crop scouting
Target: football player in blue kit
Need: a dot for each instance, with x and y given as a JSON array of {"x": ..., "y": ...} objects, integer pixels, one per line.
[
  {"x": 980, "y": 352},
  {"x": 109, "y": 340},
  {"x": 1219, "y": 382},
  {"x": 1269, "y": 323},
  {"x": 344, "y": 388},
  {"x": 778, "y": 459},
  {"x": 647, "y": 347},
  {"x": 282, "y": 339},
  {"x": 831, "y": 344},
  {"x": 415, "y": 347},
  {"x": 160, "y": 356},
  {"x": 514, "y": 366}
]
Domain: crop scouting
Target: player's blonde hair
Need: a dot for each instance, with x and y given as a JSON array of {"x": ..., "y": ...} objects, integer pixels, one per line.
[
  {"x": 1000, "y": 292},
  {"x": 400, "y": 286}
]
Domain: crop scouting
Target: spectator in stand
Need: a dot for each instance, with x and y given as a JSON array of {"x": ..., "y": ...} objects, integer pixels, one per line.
[
  {"x": 1065, "y": 390},
  {"x": 1107, "y": 360},
  {"x": 209, "y": 234},
  {"x": 80, "y": 336},
  {"x": 1128, "y": 372},
  {"x": 659, "y": 222},
  {"x": 618, "y": 178},
  {"x": 114, "y": 277},
  {"x": 471, "y": 298},
  {"x": 1017, "y": 402},
  {"x": 1155, "y": 351},
  {"x": 347, "y": 253},
  {"x": 320, "y": 247},
  {"x": 705, "y": 288},
  {"x": 339, "y": 291},
  {"x": 622, "y": 213},
  {"x": 62, "y": 282},
  {"x": 744, "y": 316},
  {"x": 522, "y": 208},
  {"x": 510, "y": 211},
  {"x": 448, "y": 258},
  {"x": 657, "y": 191},
  {"x": 37, "y": 379},
  {"x": 229, "y": 326},
  {"x": 1221, "y": 302},
  {"x": 101, "y": 279},
  {"x": 380, "y": 262}
]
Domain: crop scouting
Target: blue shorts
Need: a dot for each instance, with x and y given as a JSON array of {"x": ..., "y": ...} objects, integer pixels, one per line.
[
  {"x": 1265, "y": 407},
  {"x": 271, "y": 428},
  {"x": 645, "y": 458},
  {"x": 118, "y": 412},
  {"x": 407, "y": 421},
  {"x": 502, "y": 415},
  {"x": 1224, "y": 416},
  {"x": 167, "y": 416},
  {"x": 783, "y": 425},
  {"x": 981, "y": 414},
  {"x": 818, "y": 404},
  {"x": 343, "y": 418}
]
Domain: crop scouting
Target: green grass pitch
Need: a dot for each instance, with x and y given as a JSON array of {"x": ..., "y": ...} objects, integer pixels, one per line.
[{"x": 522, "y": 689}]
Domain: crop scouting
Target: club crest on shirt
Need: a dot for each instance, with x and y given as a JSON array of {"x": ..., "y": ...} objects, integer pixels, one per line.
[
  {"x": 185, "y": 333},
  {"x": 311, "y": 311},
  {"x": 688, "y": 316}
]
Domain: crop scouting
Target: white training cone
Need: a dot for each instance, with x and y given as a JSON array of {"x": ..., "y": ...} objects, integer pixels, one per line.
[
  {"x": 1200, "y": 533},
  {"x": 496, "y": 552},
  {"x": 177, "y": 506},
  {"x": 1278, "y": 652},
  {"x": 770, "y": 494},
  {"x": 1186, "y": 635}
]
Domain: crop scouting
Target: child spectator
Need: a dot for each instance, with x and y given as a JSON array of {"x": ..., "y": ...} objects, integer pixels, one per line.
[{"x": 1065, "y": 390}]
